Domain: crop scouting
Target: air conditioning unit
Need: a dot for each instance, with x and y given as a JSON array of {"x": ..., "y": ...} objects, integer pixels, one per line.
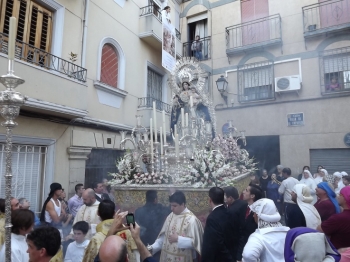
[{"x": 287, "y": 83}]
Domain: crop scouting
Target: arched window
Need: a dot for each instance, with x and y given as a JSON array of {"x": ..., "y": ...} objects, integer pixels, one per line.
[
  {"x": 110, "y": 78},
  {"x": 109, "y": 66}
]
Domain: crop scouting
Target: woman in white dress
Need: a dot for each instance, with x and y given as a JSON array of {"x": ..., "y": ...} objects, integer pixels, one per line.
[{"x": 308, "y": 180}]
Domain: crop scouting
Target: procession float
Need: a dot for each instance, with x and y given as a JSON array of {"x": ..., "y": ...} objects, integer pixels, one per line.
[{"x": 194, "y": 158}]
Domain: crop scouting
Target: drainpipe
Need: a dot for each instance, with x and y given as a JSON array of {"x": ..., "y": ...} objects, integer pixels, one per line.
[{"x": 85, "y": 27}]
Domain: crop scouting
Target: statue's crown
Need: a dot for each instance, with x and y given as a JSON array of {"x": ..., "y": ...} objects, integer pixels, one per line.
[{"x": 185, "y": 79}]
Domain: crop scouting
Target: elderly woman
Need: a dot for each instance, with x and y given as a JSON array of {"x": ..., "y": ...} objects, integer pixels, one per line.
[
  {"x": 327, "y": 203},
  {"x": 306, "y": 244},
  {"x": 338, "y": 181},
  {"x": 308, "y": 180},
  {"x": 266, "y": 243},
  {"x": 306, "y": 211}
]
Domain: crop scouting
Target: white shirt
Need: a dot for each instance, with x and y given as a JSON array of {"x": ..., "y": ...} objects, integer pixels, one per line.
[
  {"x": 48, "y": 218},
  {"x": 75, "y": 251},
  {"x": 19, "y": 249},
  {"x": 286, "y": 188},
  {"x": 265, "y": 245},
  {"x": 217, "y": 206}
]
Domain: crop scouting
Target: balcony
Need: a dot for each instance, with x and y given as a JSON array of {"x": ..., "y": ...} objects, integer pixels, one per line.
[
  {"x": 255, "y": 34},
  {"x": 145, "y": 108},
  {"x": 189, "y": 49},
  {"x": 147, "y": 102},
  {"x": 38, "y": 57},
  {"x": 326, "y": 17},
  {"x": 54, "y": 86},
  {"x": 150, "y": 29}
]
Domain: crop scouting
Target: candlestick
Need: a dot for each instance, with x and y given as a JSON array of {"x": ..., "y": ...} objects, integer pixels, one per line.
[
  {"x": 155, "y": 121},
  {"x": 12, "y": 38},
  {"x": 186, "y": 117},
  {"x": 164, "y": 130},
  {"x": 177, "y": 145},
  {"x": 191, "y": 101},
  {"x": 151, "y": 131},
  {"x": 161, "y": 140},
  {"x": 182, "y": 117}
]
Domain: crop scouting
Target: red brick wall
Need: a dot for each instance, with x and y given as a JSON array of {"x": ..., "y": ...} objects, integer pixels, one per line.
[{"x": 109, "y": 66}]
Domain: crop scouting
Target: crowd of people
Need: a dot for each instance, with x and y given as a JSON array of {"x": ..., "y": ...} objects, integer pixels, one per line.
[{"x": 240, "y": 227}]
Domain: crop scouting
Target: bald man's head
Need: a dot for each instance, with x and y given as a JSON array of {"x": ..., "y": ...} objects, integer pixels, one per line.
[
  {"x": 89, "y": 197},
  {"x": 113, "y": 249}
]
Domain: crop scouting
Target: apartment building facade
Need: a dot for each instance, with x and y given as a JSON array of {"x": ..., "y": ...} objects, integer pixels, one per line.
[
  {"x": 89, "y": 68},
  {"x": 287, "y": 69}
]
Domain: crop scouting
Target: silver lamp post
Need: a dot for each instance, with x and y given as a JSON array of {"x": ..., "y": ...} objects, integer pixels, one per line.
[{"x": 10, "y": 103}]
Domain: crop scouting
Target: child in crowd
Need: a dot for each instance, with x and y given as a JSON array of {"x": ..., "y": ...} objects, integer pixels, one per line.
[{"x": 76, "y": 249}]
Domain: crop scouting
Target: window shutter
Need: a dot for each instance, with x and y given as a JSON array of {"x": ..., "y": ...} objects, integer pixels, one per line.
[
  {"x": 109, "y": 66},
  {"x": 337, "y": 64},
  {"x": 39, "y": 29}
]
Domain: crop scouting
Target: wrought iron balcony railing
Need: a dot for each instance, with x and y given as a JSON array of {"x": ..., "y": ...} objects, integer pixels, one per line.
[
  {"x": 201, "y": 50},
  {"x": 326, "y": 16},
  {"x": 151, "y": 9},
  {"x": 36, "y": 56},
  {"x": 258, "y": 32},
  {"x": 147, "y": 102}
]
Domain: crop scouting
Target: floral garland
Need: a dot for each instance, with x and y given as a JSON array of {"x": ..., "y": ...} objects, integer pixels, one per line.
[{"x": 217, "y": 166}]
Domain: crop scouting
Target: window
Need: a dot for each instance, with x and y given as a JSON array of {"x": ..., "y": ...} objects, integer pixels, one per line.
[
  {"x": 109, "y": 66},
  {"x": 335, "y": 70},
  {"x": 154, "y": 85},
  {"x": 255, "y": 82},
  {"x": 28, "y": 172},
  {"x": 34, "y": 26}
]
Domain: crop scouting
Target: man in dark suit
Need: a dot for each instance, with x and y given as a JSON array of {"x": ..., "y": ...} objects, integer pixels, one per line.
[
  {"x": 251, "y": 194},
  {"x": 236, "y": 209},
  {"x": 216, "y": 238},
  {"x": 98, "y": 188}
]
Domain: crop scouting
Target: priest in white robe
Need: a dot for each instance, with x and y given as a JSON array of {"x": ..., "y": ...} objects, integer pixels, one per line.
[
  {"x": 88, "y": 213},
  {"x": 181, "y": 237}
]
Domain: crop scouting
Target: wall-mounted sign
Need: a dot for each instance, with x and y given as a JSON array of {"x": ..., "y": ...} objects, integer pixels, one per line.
[
  {"x": 296, "y": 119},
  {"x": 347, "y": 139}
]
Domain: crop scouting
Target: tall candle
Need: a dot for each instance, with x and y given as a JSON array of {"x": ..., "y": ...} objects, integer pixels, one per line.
[
  {"x": 191, "y": 101},
  {"x": 186, "y": 117},
  {"x": 177, "y": 145},
  {"x": 164, "y": 130},
  {"x": 151, "y": 131},
  {"x": 12, "y": 38},
  {"x": 161, "y": 141},
  {"x": 155, "y": 121},
  {"x": 175, "y": 130},
  {"x": 182, "y": 117}
]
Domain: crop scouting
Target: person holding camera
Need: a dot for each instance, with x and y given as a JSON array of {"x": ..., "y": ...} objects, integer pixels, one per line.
[{"x": 111, "y": 225}]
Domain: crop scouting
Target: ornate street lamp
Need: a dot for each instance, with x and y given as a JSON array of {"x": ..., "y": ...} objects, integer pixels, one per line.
[{"x": 221, "y": 85}]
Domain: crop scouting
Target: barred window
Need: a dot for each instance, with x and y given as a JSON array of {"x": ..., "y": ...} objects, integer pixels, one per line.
[
  {"x": 154, "y": 85},
  {"x": 335, "y": 70},
  {"x": 255, "y": 82}
]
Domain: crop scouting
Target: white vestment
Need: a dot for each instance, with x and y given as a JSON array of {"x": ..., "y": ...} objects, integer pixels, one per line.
[
  {"x": 88, "y": 214},
  {"x": 190, "y": 231}
]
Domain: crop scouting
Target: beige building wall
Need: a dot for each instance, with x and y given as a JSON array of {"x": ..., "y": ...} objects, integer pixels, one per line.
[{"x": 69, "y": 116}]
